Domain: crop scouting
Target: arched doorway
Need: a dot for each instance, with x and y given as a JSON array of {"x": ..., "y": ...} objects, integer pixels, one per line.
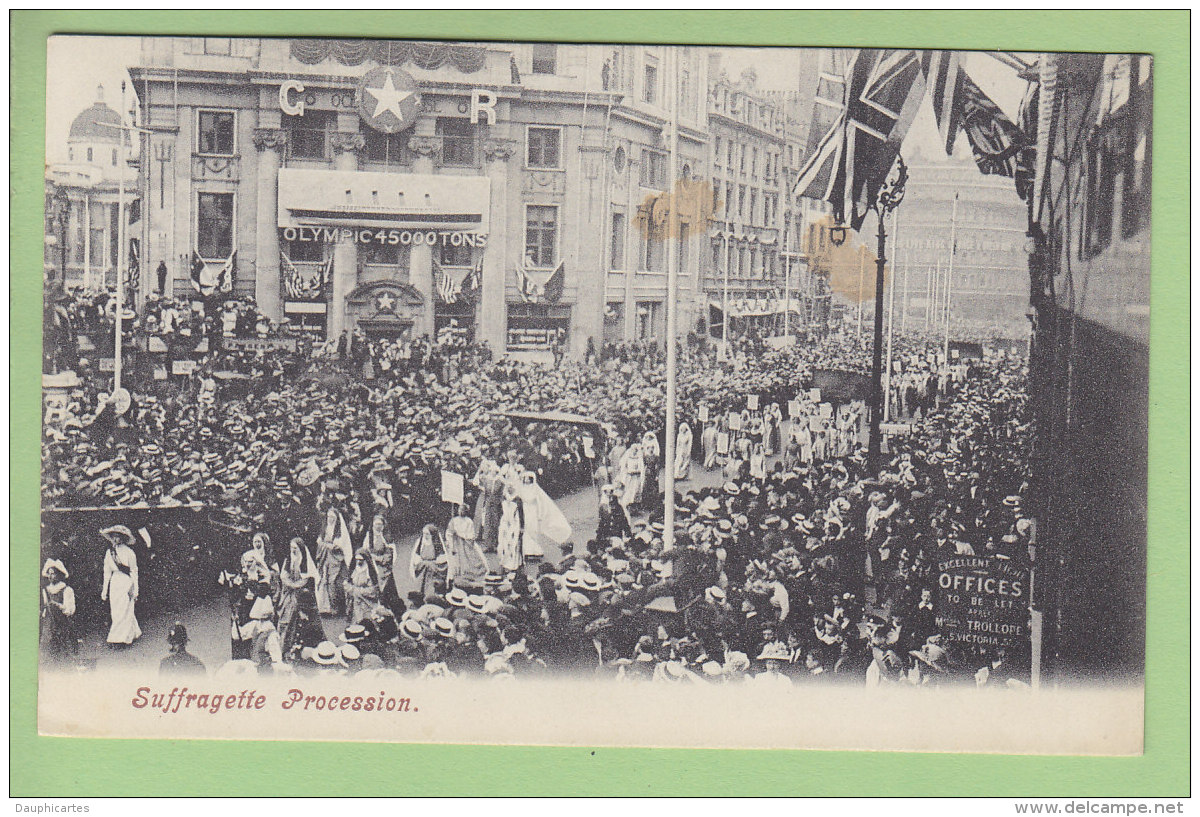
[{"x": 384, "y": 309}]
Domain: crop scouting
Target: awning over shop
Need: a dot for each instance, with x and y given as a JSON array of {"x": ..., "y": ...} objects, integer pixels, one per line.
[{"x": 384, "y": 200}]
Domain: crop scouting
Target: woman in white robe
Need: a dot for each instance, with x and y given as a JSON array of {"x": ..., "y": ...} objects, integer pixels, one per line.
[
  {"x": 427, "y": 565},
  {"x": 512, "y": 527},
  {"x": 466, "y": 566},
  {"x": 543, "y": 519},
  {"x": 333, "y": 564},
  {"x": 683, "y": 452},
  {"x": 708, "y": 443},
  {"x": 758, "y": 463},
  {"x": 631, "y": 474},
  {"x": 120, "y": 587}
]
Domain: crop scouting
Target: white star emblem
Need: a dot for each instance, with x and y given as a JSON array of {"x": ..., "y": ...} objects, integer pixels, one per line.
[
  {"x": 387, "y": 98},
  {"x": 385, "y": 302}
]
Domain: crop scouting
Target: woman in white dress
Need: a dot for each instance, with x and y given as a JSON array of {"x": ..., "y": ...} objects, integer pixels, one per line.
[
  {"x": 758, "y": 463},
  {"x": 542, "y": 518},
  {"x": 466, "y": 566},
  {"x": 683, "y": 452},
  {"x": 631, "y": 473},
  {"x": 708, "y": 443},
  {"x": 512, "y": 526},
  {"x": 120, "y": 587}
]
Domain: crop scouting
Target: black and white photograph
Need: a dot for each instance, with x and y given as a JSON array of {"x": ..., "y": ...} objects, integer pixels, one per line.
[{"x": 429, "y": 381}]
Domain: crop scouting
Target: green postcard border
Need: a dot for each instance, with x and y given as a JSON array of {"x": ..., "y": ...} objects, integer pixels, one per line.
[{"x": 42, "y": 766}]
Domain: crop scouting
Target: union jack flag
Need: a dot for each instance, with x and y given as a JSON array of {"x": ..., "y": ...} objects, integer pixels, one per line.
[
  {"x": 883, "y": 89},
  {"x": 961, "y": 105}
]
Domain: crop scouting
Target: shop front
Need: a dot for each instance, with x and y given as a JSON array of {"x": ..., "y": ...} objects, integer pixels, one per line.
[
  {"x": 368, "y": 248},
  {"x": 535, "y": 327}
]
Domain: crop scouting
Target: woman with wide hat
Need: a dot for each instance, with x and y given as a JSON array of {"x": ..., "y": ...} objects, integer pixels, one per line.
[
  {"x": 58, "y": 639},
  {"x": 120, "y": 588}
]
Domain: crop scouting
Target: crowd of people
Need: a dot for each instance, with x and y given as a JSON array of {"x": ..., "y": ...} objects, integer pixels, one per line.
[{"x": 797, "y": 561}]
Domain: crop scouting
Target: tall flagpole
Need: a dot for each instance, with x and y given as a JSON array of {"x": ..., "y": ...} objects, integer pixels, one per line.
[
  {"x": 891, "y": 318},
  {"x": 950, "y": 277},
  {"x": 122, "y": 130},
  {"x": 862, "y": 261},
  {"x": 672, "y": 239}
]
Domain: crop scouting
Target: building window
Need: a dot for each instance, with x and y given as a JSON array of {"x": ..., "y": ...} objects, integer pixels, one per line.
[
  {"x": 308, "y": 135},
  {"x": 650, "y": 82},
  {"x": 543, "y": 148},
  {"x": 741, "y": 211},
  {"x": 685, "y": 90},
  {"x": 653, "y": 170},
  {"x": 651, "y": 248},
  {"x": 310, "y": 252},
  {"x": 114, "y": 157},
  {"x": 89, "y": 155},
  {"x": 753, "y": 214},
  {"x": 458, "y": 142},
  {"x": 541, "y": 235},
  {"x": 452, "y": 256},
  {"x": 684, "y": 247},
  {"x": 729, "y": 155},
  {"x": 545, "y": 58},
  {"x": 386, "y": 148},
  {"x": 616, "y": 252},
  {"x": 619, "y": 159},
  {"x": 214, "y": 225},
  {"x": 216, "y": 133},
  {"x": 728, "y": 200},
  {"x": 754, "y": 163},
  {"x": 218, "y": 46},
  {"x": 717, "y": 152},
  {"x": 374, "y": 253}
]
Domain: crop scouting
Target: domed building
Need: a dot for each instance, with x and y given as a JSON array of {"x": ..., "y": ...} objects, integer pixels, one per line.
[{"x": 85, "y": 192}]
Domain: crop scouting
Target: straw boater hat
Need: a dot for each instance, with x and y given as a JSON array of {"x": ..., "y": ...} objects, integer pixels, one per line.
[
  {"x": 327, "y": 654},
  {"x": 118, "y": 533},
  {"x": 774, "y": 652},
  {"x": 56, "y": 565}
]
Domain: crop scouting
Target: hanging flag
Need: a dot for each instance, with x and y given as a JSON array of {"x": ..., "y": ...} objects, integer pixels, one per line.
[
  {"x": 203, "y": 281},
  {"x": 553, "y": 288},
  {"x": 134, "y": 278},
  {"x": 227, "y": 272},
  {"x": 445, "y": 284},
  {"x": 297, "y": 285},
  {"x": 961, "y": 105},
  {"x": 883, "y": 90},
  {"x": 327, "y": 272},
  {"x": 474, "y": 281},
  {"x": 525, "y": 284}
]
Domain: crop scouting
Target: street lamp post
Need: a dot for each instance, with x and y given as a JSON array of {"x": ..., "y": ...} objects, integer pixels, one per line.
[{"x": 890, "y": 194}]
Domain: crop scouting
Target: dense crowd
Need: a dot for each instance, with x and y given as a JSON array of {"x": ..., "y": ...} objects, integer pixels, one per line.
[{"x": 799, "y": 563}]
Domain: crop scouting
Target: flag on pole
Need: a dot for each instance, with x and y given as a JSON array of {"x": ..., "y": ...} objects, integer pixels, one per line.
[
  {"x": 961, "y": 105},
  {"x": 327, "y": 272},
  {"x": 202, "y": 279},
  {"x": 883, "y": 90}
]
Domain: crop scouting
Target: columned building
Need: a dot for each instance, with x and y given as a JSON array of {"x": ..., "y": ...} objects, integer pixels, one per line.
[
  {"x": 402, "y": 187},
  {"x": 87, "y": 185}
]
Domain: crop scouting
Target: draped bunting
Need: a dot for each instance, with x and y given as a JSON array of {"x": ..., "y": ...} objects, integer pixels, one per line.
[{"x": 427, "y": 56}]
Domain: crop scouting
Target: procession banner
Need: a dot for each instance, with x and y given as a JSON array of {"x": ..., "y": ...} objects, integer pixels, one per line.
[
  {"x": 983, "y": 601},
  {"x": 752, "y": 402},
  {"x": 735, "y": 421},
  {"x": 259, "y": 344},
  {"x": 588, "y": 451},
  {"x": 702, "y": 412},
  {"x": 722, "y": 443},
  {"x": 184, "y": 367},
  {"x": 452, "y": 487},
  {"x": 827, "y": 410},
  {"x": 814, "y": 395},
  {"x": 155, "y": 344},
  {"x": 793, "y": 408},
  {"x": 816, "y": 423}
]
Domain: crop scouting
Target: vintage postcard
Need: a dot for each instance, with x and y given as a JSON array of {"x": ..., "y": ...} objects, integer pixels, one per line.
[{"x": 612, "y": 395}]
